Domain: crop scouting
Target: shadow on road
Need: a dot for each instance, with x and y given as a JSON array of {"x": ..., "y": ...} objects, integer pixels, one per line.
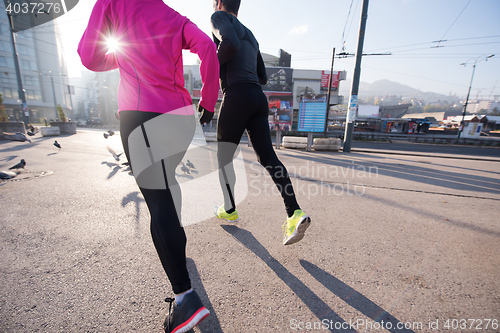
[
  {"x": 317, "y": 306},
  {"x": 134, "y": 197},
  {"x": 211, "y": 324},
  {"x": 358, "y": 168},
  {"x": 355, "y": 299}
]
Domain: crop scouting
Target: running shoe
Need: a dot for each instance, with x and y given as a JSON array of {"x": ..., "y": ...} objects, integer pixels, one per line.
[
  {"x": 184, "y": 317},
  {"x": 295, "y": 226},
  {"x": 220, "y": 212}
]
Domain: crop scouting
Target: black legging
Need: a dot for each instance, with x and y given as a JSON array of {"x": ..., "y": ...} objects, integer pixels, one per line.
[
  {"x": 245, "y": 106},
  {"x": 167, "y": 232}
]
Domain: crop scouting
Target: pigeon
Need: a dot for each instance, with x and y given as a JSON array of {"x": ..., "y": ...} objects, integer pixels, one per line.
[
  {"x": 108, "y": 134},
  {"x": 19, "y": 165},
  {"x": 116, "y": 156},
  {"x": 32, "y": 131},
  {"x": 8, "y": 174},
  {"x": 184, "y": 168},
  {"x": 190, "y": 165},
  {"x": 57, "y": 144},
  {"x": 16, "y": 137}
]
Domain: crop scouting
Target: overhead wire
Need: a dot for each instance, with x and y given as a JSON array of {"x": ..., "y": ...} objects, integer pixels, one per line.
[
  {"x": 343, "y": 38},
  {"x": 442, "y": 38}
]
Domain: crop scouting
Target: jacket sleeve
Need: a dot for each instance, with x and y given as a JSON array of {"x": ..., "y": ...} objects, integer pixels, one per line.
[
  {"x": 261, "y": 70},
  {"x": 224, "y": 31},
  {"x": 93, "y": 45},
  {"x": 199, "y": 43}
]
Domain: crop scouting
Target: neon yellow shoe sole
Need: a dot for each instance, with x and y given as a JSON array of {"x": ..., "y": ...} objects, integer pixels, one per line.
[
  {"x": 295, "y": 227},
  {"x": 220, "y": 213}
]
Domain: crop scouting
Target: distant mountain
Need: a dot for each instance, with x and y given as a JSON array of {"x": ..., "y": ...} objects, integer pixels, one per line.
[
  {"x": 386, "y": 87},
  {"x": 383, "y": 88}
]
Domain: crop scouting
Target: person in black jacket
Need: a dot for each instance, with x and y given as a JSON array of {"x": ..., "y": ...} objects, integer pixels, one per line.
[{"x": 245, "y": 107}]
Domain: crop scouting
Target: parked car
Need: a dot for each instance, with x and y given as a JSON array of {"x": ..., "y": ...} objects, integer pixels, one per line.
[
  {"x": 94, "y": 121},
  {"x": 81, "y": 122}
]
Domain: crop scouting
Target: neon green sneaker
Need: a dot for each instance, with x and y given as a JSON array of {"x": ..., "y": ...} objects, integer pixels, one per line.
[
  {"x": 295, "y": 227},
  {"x": 220, "y": 212}
]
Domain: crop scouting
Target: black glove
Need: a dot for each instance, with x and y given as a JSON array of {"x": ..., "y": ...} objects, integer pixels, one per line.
[{"x": 206, "y": 116}]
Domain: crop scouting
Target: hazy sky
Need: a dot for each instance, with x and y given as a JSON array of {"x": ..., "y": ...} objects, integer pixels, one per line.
[{"x": 309, "y": 30}]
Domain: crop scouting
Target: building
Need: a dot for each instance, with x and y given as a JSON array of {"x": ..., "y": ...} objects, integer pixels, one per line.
[
  {"x": 86, "y": 99},
  {"x": 43, "y": 71},
  {"x": 284, "y": 88},
  {"x": 483, "y": 106},
  {"x": 433, "y": 116}
]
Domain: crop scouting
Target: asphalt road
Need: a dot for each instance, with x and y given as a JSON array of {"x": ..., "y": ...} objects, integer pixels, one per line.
[
  {"x": 408, "y": 240},
  {"x": 478, "y": 151}
]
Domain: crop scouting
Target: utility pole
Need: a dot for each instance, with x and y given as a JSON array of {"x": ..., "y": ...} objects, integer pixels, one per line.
[
  {"x": 329, "y": 94},
  {"x": 353, "y": 100},
  {"x": 462, "y": 123},
  {"x": 21, "y": 92}
]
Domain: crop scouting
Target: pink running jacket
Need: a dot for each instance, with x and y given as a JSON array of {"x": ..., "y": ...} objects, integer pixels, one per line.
[{"x": 151, "y": 38}]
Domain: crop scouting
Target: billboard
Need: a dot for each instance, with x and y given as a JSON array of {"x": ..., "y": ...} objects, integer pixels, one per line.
[
  {"x": 279, "y": 92},
  {"x": 368, "y": 111},
  {"x": 280, "y": 112},
  {"x": 312, "y": 113},
  {"x": 279, "y": 79},
  {"x": 325, "y": 77}
]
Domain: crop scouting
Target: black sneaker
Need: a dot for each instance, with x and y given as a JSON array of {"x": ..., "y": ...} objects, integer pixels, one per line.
[{"x": 184, "y": 317}]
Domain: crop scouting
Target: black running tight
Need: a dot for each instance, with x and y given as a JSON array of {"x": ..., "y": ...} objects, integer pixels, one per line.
[
  {"x": 163, "y": 200},
  {"x": 245, "y": 106}
]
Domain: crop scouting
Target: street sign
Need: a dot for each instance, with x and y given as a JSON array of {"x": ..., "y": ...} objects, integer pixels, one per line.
[{"x": 312, "y": 113}]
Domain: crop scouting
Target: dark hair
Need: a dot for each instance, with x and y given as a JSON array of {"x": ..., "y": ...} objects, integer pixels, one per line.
[{"x": 231, "y": 6}]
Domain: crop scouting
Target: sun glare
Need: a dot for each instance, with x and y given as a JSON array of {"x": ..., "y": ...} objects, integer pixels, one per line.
[{"x": 113, "y": 45}]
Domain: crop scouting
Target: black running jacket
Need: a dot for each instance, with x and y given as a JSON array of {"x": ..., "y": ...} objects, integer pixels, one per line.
[{"x": 238, "y": 52}]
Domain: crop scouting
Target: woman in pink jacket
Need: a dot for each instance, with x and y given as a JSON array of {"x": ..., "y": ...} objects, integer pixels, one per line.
[{"x": 157, "y": 120}]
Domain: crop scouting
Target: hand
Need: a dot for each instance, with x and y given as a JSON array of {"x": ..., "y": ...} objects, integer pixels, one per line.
[{"x": 206, "y": 116}]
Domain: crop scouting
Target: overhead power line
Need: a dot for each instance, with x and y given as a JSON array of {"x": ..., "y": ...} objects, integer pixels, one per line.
[
  {"x": 345, "y": 26},
  {"x": 442, "y": 38}
]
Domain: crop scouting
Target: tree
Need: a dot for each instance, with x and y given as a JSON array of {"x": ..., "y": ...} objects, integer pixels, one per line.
[
  {"x": 60, "y": 112},
  {"x": 3, "y": 113}
]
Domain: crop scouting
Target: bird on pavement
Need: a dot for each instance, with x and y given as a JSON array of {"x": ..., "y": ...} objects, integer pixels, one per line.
[
  {"x": 105, "y": 135},
  {"x": 115, "y": 155},
  {"x": 190, "y": 165},
  {"x": 57, "y": 144},
  {"x": 16, "y": 137},
  {"x": 184, "y": 168},
  {"x": 19, "y": 165}
]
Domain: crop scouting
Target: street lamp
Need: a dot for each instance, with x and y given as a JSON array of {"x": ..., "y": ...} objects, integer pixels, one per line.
[{"x": 478, "y": 59}]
